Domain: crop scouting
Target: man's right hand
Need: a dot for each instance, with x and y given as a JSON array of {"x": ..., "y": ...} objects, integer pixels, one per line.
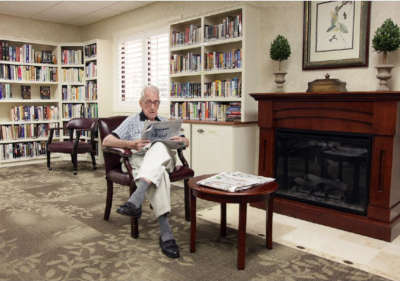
[{"x": 138, "y": 144}]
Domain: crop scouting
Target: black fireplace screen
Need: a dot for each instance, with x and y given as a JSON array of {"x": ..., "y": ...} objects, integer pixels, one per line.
[{"x": 323, "y": 168}]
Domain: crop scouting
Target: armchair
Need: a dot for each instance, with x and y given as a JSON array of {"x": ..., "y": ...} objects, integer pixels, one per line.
[
  {"x": 72, "y": 146},
  {"x": 114, "y": 173}
]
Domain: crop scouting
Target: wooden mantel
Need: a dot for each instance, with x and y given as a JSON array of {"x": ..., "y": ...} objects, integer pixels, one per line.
[{"x": 375, "y": 113}]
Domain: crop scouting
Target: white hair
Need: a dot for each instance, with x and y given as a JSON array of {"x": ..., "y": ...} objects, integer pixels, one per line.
[{"x": 152, "y": 88}]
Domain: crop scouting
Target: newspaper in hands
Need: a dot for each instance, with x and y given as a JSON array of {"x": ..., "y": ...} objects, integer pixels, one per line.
[
  {"x": 162, "y": 132},
  {"x": 234, "y": 182},
  {"x": 153, "y": 130}
]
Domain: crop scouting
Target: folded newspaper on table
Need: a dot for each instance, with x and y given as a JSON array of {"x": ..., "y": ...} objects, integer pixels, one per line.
[
  {"x": 234, "y": 182},
  {"x": 162, "y": 132}
]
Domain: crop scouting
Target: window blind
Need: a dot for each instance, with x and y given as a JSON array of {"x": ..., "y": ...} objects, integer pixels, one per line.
[{"x": 143, "y": 59}]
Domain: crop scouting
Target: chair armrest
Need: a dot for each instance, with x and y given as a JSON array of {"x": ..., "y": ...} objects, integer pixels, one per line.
[
  {"x": 181, "y": 157},
  {"x": 123, "y": 152}
]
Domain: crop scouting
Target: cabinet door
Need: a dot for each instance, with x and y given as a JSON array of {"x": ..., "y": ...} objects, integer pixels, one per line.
[
  {"x": 212, "y": 149},
  {"x": 185, "y": 129}
]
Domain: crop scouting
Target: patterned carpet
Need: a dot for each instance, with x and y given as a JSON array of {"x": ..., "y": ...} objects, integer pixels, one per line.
[{"x": 52, "y": 228}]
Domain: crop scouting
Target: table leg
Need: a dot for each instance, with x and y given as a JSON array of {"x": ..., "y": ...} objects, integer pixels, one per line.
[
  {"x": 242, "y": 235},
  {"x": 192, "y": 222},
  {"x": 223, "y": 219},
  {"x": 270, "y": 211}
]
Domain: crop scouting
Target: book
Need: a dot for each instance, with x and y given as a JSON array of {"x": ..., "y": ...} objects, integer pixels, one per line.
[
  {"x": 45, "y": 92},
  {"x": 25, "y": 92}
]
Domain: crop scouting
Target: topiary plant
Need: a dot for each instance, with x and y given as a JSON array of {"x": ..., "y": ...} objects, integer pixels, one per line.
[
  {"x": 280, "y": 50},
  {"x": 387, "y": 38}
]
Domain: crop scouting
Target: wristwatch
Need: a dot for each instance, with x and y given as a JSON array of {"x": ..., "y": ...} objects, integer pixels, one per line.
[{"x": 182, "y": 135}]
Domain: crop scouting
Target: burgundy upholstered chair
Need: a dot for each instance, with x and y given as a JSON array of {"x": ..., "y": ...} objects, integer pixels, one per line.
[
  {"x": 114, "y": 173},
  {"x": 74, "y": 146}
]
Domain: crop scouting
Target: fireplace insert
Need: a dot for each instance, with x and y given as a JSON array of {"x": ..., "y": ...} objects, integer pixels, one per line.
[{"x": 329, "y": 169}]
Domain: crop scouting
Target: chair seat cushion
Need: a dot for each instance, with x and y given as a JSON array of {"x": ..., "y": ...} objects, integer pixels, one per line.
[
  {"x": 67, "y": 147},
  {"x": 179, "y": 173}
]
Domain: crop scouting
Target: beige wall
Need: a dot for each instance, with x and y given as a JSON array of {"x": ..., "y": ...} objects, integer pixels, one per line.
[
  {"x": 30, "y": 29},
  {"x": 285, "y": 18}
]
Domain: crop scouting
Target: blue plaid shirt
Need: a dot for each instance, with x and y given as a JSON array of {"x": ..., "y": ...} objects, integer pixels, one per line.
[{"x": 132, "y": 127}]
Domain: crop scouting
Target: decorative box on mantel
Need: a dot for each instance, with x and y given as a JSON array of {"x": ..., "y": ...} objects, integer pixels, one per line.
[{"x": 336, "y": 157}]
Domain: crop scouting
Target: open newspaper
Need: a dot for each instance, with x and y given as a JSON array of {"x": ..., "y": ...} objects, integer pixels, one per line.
[
  {"x": 162, "y": 132},
  {"x": 234, "y": 182}
]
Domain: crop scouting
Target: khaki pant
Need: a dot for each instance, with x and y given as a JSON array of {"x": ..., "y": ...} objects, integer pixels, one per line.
[{"x": 155, "y": 165}]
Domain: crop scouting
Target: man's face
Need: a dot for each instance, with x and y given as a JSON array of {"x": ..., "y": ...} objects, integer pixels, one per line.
[{"x": 147, "y": 104}]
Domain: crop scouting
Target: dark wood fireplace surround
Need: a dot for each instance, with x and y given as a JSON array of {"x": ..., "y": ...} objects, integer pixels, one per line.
[{"x": 375, "y": 113}]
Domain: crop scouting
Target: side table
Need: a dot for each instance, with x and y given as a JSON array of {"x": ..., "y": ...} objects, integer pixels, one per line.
[{"x": 264, "y": 192}]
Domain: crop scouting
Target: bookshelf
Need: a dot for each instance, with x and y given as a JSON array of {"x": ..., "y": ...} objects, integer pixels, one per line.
[
  {"x": 212, "y": 71},
  {"x": 23, "y": 122}
]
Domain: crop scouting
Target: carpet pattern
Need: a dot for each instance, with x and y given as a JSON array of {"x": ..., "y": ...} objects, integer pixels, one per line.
[{"x": 52, "y": 228}]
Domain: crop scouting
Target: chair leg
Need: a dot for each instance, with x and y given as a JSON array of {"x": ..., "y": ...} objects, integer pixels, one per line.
[
  {"x": 110, "y": 191},
  {"x": 187, "y": 200},
  {"x": 93, "y": 160},
  {"x": 48, "y": 161},
  {"x": 134, "y": 228},
  {"x": 75, "y": 162}
]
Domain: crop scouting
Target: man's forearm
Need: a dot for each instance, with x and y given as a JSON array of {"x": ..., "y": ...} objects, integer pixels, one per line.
[{"x": 112, "y": 141}]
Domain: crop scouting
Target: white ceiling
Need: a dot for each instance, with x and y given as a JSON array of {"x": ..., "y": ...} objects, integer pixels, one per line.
[{"x": 69, "y": 12}]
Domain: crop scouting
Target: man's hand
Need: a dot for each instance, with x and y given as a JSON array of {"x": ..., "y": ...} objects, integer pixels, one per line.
[
  {"x": 177, "y": 138},
  {"x": 138, "y": 144}
]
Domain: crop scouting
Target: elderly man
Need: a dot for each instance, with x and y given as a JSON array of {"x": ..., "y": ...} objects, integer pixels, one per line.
[{"x": 150, "y": 168}]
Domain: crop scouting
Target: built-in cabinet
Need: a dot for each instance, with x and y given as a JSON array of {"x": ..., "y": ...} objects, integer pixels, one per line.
[
  {"x": 75, "y": 90},
  {"x": 213, "y": 58}
]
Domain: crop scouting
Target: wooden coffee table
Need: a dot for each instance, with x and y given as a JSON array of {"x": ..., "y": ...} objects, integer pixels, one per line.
[{"x": 264, "y": 192}]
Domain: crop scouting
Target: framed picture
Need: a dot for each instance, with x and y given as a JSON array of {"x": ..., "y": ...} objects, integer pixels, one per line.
[
  {"x": 336, "y": 34},
  {"x": 47, "y": 57}
]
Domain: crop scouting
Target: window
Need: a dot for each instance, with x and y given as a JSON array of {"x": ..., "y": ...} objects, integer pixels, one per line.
[{"x": 143, "y": 59}]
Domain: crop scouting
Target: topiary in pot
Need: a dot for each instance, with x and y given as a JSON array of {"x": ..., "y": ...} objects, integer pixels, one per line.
[
  {"x": 386, "y": 39},
  {"x": 280, "y": 51}
]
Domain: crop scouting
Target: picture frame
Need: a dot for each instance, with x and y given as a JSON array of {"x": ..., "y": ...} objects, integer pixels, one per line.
[
  {"x": 335, "y": 34},
  {"x": 47, "y": 56}
]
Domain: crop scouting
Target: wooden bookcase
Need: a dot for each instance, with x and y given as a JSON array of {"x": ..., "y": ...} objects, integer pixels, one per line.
[
  {"x": 233, "y": 135},
  {"x": 70, "y": 75}
]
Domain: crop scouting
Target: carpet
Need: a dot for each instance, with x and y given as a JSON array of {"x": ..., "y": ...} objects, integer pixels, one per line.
[{"x": 52, "y": 228}]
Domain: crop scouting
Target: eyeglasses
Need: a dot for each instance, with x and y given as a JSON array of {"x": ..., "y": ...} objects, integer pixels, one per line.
[{"x": 148, "y": 103}]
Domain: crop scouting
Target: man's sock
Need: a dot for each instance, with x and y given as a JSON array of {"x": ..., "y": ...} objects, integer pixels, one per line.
[
  {"x": 165, "y": 229},
  {"x": 138, "y": 196}
]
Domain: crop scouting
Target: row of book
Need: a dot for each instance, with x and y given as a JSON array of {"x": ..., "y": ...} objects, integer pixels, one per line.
[
  {"x": 185, "y": 63},
  {"x": 91, "y": 70},
  {"x": 71, "y": 57},
  {"x": 91, "y": 90},
  {"x": 23, "y": 54},
  {"x": 231, "y": 27},
  {"x": 28, "y": 73},
  {"x": 73, "y": 93},
  {"x": 73, "y": 75},
  {"x": 229, "y": 88},
  {"x": 91, "y": 50},
  {"x": 25, "y": 131},
  {"x": 206, "y": 111},
  {"x": 70, "y": 110},
  {"x": 221, "y": 60},
  {"x": 22, "y": 150},
  {"x": 191, "y": 36},
  {"x": 5, "y": 91},
  {"x": 34, "y": 113},
  {"x": 185, "y": 90}
]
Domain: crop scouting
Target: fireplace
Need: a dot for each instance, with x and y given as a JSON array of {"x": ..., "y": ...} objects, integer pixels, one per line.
[
  {"x": 327, "y": 169},
  {"x": 336, "y": 157}
]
